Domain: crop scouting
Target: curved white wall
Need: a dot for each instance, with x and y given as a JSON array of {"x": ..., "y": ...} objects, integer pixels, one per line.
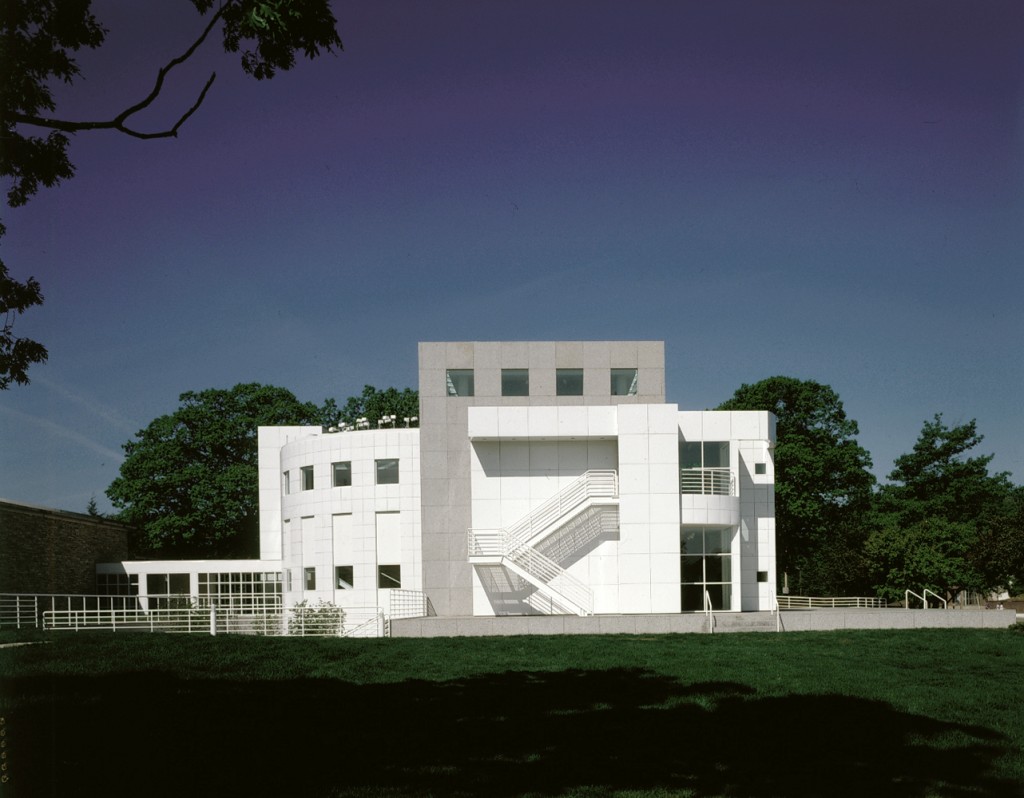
[{"x": 363, "y": 525}]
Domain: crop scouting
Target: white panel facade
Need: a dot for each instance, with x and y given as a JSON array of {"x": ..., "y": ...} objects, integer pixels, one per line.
[
  {"x": 334, "y": 527},
  {"x": 587, "y": 494}
]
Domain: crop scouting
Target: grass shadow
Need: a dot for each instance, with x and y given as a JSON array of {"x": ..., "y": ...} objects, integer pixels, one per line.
[{"x": 573, "y": 732}]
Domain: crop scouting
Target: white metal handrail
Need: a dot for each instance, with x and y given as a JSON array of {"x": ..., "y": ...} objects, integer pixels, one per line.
[
  {"x": 365, "y": 623},
  {"x": 775, "y": 609},
  {"x": 486, "y": 543},
  {"x": 709, "y": 612},
  {"x": 922, "y": 598},
  {"x": 940, "y": 598},
  {"x": 707, "y": 481}
]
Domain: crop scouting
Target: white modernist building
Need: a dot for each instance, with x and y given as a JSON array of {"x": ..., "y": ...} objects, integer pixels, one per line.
[{"x": 544, "y": 478}]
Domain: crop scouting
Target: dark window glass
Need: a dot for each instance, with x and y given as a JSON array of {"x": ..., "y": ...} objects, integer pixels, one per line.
[
  {"x": 387, "y": 472},
  {"x": 341, "y": 474},
  {"x": 569, "y": 382},
  {"x": 389, "y": 576},
  {"x": 459, "y": 382},
  {"x": 515, "y": 382}
]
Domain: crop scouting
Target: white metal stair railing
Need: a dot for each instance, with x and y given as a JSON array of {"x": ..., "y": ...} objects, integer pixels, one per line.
[
  {"x": 709, "y": 612},
  {"x": 595, "y": 522},
  {"x": 596, "y": 483},
  {"x": 549, "y": 576},
  {"x": 514, "y": 544}
]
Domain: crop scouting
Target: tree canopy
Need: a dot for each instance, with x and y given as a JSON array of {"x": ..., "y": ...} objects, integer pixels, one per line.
[
  {"x": 823, "y": 483},
  {"x": 189, "y": 480},
  {"x": 945, "y": 522},
  {"x": 38, "y": 40}
]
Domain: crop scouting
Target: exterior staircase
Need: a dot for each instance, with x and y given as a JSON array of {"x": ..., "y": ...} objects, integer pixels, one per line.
[{"x": 531, "y": 549}]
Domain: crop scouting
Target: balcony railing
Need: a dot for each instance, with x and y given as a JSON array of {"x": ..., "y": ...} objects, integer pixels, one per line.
[{"x": 707, "y": 481}]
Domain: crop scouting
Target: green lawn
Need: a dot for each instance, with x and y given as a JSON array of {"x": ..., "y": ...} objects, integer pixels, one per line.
[{"x": 889, "y": 713}]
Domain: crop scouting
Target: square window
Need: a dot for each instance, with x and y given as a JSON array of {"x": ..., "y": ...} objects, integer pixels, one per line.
[
  {"x": 341, "y": 474},
  {"x": 286, "y": 483},
  {"x": 343, "y": 577},
  {"x": 762, "y": 576},
  {"x": 515, "y": 382},
  {"x": 389, "y": 576},
  {"x": 624, "y": 382},
  {"x": 310, "y": 578},
  {"x": 387, "y": 472},
  {"x": 569, "y": 382},
  {"x": 460, "y": 382},
  {"x": 179, "y": 584},
  {"x": 306, "y": 476},
  {"x": 760, "y": 468}
]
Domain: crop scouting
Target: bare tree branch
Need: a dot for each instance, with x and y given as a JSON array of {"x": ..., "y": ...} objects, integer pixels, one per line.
[{"x": 119, "y": 121}]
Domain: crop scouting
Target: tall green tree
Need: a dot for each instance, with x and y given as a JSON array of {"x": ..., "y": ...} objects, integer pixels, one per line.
[
  {"x": 945, "y": 522},
  {"x": 189, "y": 479},
  {"x": 823, "y": 484},
  {"x": 38, "y": 42}
]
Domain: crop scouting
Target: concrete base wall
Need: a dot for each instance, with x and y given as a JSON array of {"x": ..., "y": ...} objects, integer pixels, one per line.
[{"x": 791, "y": 621}]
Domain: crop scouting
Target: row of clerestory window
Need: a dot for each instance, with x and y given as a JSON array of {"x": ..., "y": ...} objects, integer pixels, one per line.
[
  {"x": 388, "y": 577},
  {"x": 341, "y": 475},
  {"x": 516, "y": 382}
]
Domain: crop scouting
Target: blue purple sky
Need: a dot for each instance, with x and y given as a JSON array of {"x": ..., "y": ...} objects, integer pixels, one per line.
[{"x": 830, "y": 191}]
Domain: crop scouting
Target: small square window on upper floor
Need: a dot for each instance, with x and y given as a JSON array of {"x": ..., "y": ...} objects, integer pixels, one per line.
[
  {"x": 515, "y": 382},
  {"x": 306, "y": 477},
  {"x": 568, "y": 382},
  {"x": 460, "y": 382},
  {"x": 341, "y": 474},
  {"x": 387, "y": 472},
  {"x": 624, "y": 382}
]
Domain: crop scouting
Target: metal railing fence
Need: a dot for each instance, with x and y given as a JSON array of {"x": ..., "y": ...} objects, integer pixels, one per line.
[
  {"x": 409, "y": 604},
  {"x": 829, "y": 602},
  {"x": 707, "y": 481}
]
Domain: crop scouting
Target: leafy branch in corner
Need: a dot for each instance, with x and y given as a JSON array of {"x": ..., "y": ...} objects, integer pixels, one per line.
[{"x": 37, "y": 41}]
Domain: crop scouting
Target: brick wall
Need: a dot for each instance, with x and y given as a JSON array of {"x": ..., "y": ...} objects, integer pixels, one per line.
[{"x": 54, "y": 551}]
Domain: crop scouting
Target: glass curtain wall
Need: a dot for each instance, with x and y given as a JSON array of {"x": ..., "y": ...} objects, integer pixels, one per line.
[{"x": 706, "y": 565}]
